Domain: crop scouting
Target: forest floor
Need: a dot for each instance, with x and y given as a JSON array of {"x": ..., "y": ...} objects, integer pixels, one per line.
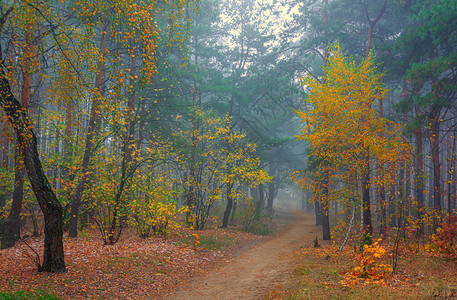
[
  {"x": 288, "y": 266},
  {"x": 133, "y": 268},
  {"x": 227, "y": 264},
  {"x": 257, "y": 271}
]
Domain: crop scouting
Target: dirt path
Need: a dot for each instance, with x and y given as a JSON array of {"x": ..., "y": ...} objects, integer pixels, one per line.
[{"x": 256, "y": 271}]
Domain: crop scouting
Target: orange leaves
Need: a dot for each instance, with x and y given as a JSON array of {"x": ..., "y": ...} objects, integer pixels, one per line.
[
  {"x": 369, "y": 266},
  {"x": 341, "y": 125},
  {"x": 197, "y": 240},
  {"x": 445, "y": 239}
]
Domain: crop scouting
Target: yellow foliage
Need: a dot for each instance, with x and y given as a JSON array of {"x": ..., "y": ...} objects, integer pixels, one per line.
[
  {"x": 369, "y": 266},
  {"x": 343, "y": 129}
]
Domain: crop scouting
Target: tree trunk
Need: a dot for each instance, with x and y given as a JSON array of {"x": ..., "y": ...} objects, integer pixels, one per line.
[
  {"x": 191, "y": 198},
  {"x": 366, "y": 205},
  {"x": 12, "y": 225},
  {"x": 92, "y": 130},
  {"x": 372, "y": 24},
  {"x": 127, "y": 167},
  {"x": 434, "y": 140},
  {"x": 228, "y": 208},
  {"x": 232, "y": 215},
  {"x": 419, "y": 179},
  {"x": 401, "y": 196},
  {"x": 325, "y": 209},
  {"x": 318, "y": 213},
  {"x": 53, "y": 257},
  {"x": 392, "y": 212},
  {"x": 4, "y": 143},
  {"x": 260, "y": 201},
  {"x": 272, "y": 191},
  {"x": 382, "y": 204},
  {"x": 451, "y": 170},
  {"x": 367, "y": 232}
]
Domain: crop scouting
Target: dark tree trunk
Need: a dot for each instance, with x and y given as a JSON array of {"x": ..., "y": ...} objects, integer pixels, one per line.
[
  {"x": 92, "y": 130},
  {"x": 53, "y": 257},
  {"x": 326, "y": 223},
  {"x": 325, "y": 209},
  {"x": 112, "y": 236},
  {"x": 232, "y": 215},
  {"x": 272, "y": 191},
  {"x": 273, "y": 187},
  {"x": 192, "y": 197},
  {"x": 401, "y": 196},
  {"x": 419, "y": 179},
  {"x": 435, "y": 139},
  {"x": 372, "y": 24},
  {"x": 318, "y": 213},
  {"x": 11, "y": 227},
  {"x": 451, "y": 181},
  {"x": 4, "y": 144},
  {"x": 392, "y": 212},
  {"x": 382, "y": 205},
  {"x": 260, "y": 201},
  {"x": 366, "y": 205},
  {"x": 367, "y": 232},
  {"x": 228, "y": 208},
  {"x": 67, "y": 147},
  {"x": 4, "y": 162}
]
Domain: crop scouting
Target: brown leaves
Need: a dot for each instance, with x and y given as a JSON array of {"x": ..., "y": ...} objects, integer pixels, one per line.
[{"x": 134, "y": 267}]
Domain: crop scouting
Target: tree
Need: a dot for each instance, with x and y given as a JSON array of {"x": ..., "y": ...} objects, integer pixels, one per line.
[
  {"x": 428, "y": 50},
  {"x": 240, "y": 165},
  {"x": 132, "y": 30},
  {"x": 343, "y": 128},
  {"x": 11, "y": 226},
  {"x": 53, "y": 258},
  {"x": 198, "y": 163}
]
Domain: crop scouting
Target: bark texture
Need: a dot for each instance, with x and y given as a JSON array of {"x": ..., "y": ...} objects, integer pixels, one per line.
[{"x": 53, "y": 257}]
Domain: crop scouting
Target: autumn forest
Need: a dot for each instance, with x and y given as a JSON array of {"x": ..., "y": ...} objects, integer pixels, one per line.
[{"x": 145, "y": 145}]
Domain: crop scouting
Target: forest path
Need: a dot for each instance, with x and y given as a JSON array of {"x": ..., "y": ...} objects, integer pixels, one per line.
[{"x": 256, "y": 271}]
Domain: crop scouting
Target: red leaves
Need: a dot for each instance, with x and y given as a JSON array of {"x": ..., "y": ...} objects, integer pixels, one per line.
[
  {"x": 134, "y": 267},
  {"x": 445, "y": 239}
]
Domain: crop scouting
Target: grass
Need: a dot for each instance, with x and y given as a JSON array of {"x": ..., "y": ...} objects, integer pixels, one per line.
[
  {"x": 19, "y": 295},
  {"x": 319, "y": 273},
  {"x": 216, "y": 242},
  {"x": 260, "y": 227},
  {"x": 208, "y": 241}
]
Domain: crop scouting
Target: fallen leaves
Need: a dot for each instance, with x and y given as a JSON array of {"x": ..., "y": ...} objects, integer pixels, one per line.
[{"x": 133, "y": 268}]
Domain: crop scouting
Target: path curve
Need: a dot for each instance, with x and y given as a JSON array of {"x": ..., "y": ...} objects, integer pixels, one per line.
[{"x": 258, "y": 270}]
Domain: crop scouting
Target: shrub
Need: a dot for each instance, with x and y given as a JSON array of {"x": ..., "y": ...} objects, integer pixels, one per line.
[
  {"x": 155, "y": 216},
  {"x": 368, "y": 264},
  {"x": 446, "y": 237},
  {"x": 252, "y": 221}
]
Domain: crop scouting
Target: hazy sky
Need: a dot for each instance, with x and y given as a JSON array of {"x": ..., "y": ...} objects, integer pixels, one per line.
[{"x": 271, "y": 16}]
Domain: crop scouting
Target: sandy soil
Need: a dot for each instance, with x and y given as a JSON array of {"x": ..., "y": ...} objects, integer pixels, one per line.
[{"x": 256, "y": 271}]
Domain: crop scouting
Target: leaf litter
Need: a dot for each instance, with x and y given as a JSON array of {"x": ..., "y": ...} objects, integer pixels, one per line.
[{"x": 133, "y": 268}]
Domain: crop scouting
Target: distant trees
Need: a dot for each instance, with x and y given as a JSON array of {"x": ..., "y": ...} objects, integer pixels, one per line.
[
  {"x": 416, "y": 50},
  {"x": 428, "y": 49}
]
